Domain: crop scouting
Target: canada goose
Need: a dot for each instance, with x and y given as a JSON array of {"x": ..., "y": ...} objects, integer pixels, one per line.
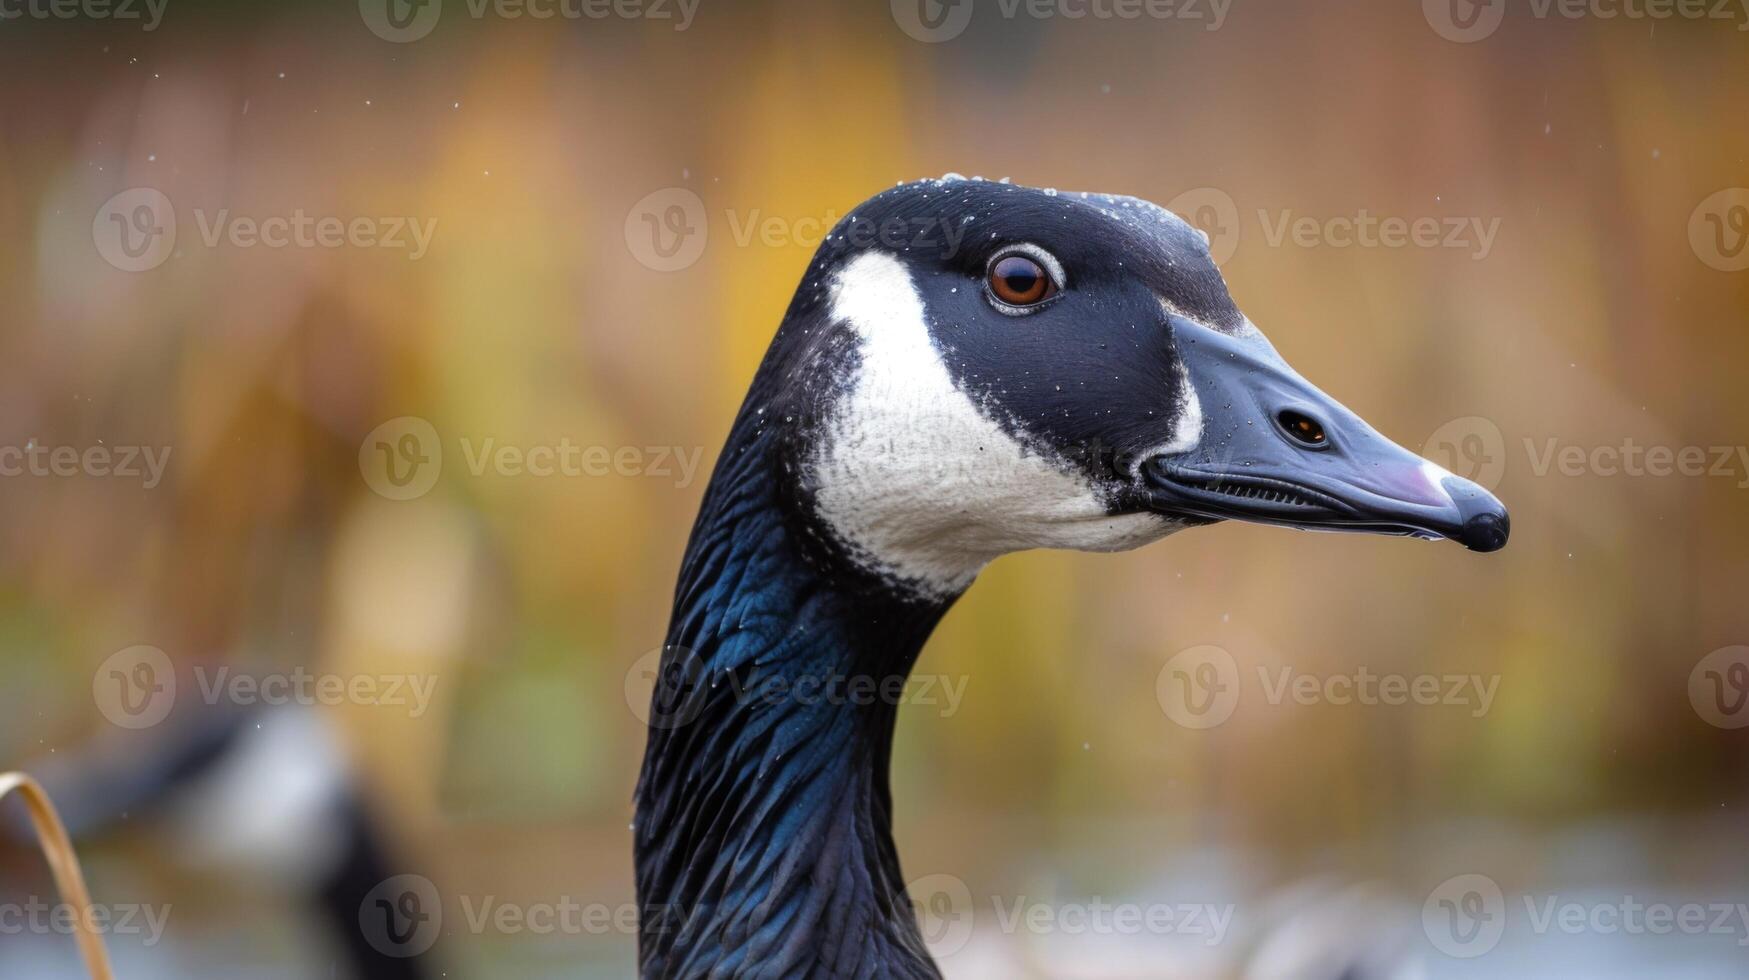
[
  {"x": 266, "y": 794},
  {"x": 968, "y": 368}
]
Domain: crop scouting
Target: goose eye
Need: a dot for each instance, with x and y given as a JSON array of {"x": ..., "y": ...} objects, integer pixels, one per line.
[
  {"x": 1019, "y": 280},
  {"x": 1305, "y": 431}
]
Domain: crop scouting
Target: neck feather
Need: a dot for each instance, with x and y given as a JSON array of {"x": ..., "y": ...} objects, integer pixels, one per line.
[{"x": 763, "y": 830}]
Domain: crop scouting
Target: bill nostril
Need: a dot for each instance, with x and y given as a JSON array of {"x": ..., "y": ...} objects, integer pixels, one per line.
[{"x": 1302, "y": 429}]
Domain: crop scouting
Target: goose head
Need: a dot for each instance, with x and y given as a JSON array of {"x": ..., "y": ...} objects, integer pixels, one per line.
[{"x": 986, "y": 368}]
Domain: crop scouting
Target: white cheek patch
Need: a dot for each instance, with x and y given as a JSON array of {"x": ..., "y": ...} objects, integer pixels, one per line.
[
  {"x": 1187, "y": 431},
  {"x": 1188, "y": 424},
  {"x": 919, "y": 482}
]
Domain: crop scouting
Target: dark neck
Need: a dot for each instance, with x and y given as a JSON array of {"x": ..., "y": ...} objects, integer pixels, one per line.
[{"x": 763, "y": 828}]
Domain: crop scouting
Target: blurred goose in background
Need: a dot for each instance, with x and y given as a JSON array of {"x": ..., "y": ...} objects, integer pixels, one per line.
[
  {"x": 968, "y": 368},
  {"x": 263, "y": 794}
]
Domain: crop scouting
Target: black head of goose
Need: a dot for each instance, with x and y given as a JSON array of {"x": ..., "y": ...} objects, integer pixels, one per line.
[{"x": 969, "y": 368}]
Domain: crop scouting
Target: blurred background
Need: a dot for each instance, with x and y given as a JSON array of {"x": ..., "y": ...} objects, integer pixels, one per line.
[{"x": 362, "y": 367}]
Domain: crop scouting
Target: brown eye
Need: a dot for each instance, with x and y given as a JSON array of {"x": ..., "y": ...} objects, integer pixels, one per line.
[
  {"x": 1302, "y": 429},
  {"x": 1019, "y": 280}
]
